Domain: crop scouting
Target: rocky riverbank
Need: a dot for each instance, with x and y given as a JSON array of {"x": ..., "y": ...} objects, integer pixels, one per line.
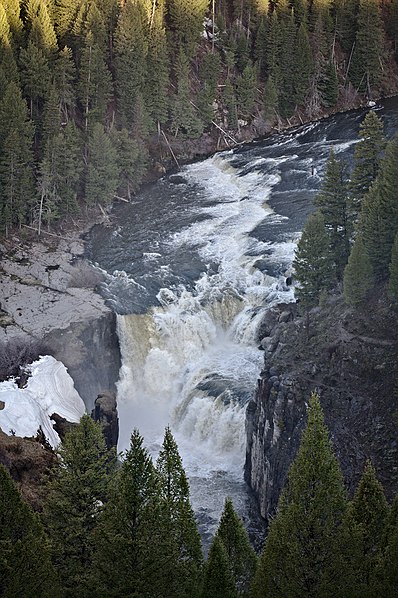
[{"x": 351, "y": 359}]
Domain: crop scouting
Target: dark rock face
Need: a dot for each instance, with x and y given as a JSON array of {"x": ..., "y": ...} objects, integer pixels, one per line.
[
  {"x": 105, "y": 412},
  {"x": 90, "y": 351},
  {"x": 351, "y": 359}
]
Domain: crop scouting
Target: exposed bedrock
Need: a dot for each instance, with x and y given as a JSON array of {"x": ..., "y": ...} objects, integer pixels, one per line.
[
  {"x": 47, "y": 294},
  {"x": 352, "y": 361}
]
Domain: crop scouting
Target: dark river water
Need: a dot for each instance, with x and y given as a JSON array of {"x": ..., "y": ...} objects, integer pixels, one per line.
[{"x": 191, "y": 269}]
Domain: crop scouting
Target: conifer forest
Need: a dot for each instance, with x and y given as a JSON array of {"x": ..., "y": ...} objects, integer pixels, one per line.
[{"x": 99, "y": 97}]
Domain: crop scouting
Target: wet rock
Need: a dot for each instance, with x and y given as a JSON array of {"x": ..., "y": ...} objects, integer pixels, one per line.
[
  {"x": 177, "y": 179},
  {"x": 105, "y": 412}
]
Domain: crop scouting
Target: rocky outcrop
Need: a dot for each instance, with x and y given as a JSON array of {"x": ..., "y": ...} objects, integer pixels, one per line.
[
  {"x": 47, "y": 293},
  {"x": 105, "y": 412},
  {"x": 351, "y": 359}
]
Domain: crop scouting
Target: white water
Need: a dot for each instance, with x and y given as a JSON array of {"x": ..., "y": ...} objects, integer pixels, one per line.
[{"x": 193, "y": 362}]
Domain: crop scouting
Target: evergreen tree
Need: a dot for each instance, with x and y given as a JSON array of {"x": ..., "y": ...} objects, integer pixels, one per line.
[
  {"x": 393, "y": 282},
  {"x": 25, "y": 564},
  {"x": 64, "y": 81},
  {"x": 369, "y": 510},
  {"x": 51, "y": 115},
  {"x": 379, "y": 219},
  {"x": 76, "y": 492},
  {"x": 230, "y": 103},
  {"x": 13, "y": 11},
  {"x": 246, "y": 86},
  {"x": 358, "y": 274},
  {"x": 301, "y": 540},
  {"x": 102, "y": 174},
  {"x": 367, "y": 159},
  {"x": 35, "y": 77},
  {"x": 157, "y": 71},
  {"x": 132, "y": 161},
  {"x": 131, "y": 49},
  {"x": 303, "y": 64},
  {"x": 313, "y": 263},
  {"x": 185, "y": 21},
  {"x": 385, "y": 578},
  {"x": 218, "y": 577},
  {"x": 241, "y": 557},
  {"x": 367, "y": 61},
  {"x": 182, "y": 529},
  {"x": 286, "y": 55},
  {"x": 132, "y": 552},
  {"x": 328, "y": 84},
  {"x": 332, "y": 201},
  {"x": 95, "y": 83},
  {"x": 270, "y": 99},
  {"x": 185, "y": 121},
  {"x": 41, "y": 29},
  {"x": 346, "y": 22}
]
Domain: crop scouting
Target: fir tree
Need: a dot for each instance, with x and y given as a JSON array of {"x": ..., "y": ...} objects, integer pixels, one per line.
[
  {"x": 132, "y": 552},
  {"x": 76, "y": 492},
  {"x": 270, "y": 100},
  {"x": 367, "y": 61},
  {"x": 301, "y": 540},
  {"x": 384, "y": 580},
  {"x": 313, "y": 263},
  {"x": 369, "y": 510},
  {"x": 230, "y": 102},
  {"x": 303, "y": 66},
  {"x": 187, "y": 568},
  {"x": 246, "y": 86},
  {"x": 358, "y": 275},
  {"x": 64, "y": 81},
  {"x": 25, "y": 564},
  {"x": 42, "y": 33},
  {"x": 332, "y": 201},
  {"x": 393, "y": 282},
  {"x": 286, "y": 54},
  {"x": 218, "y": 577},
  {"x": 242, "y": 559},
  {"x": 157, "y": 79},
  {"x": 185, "y": 121},
  {"x": 35, "y": 77},
  {"x": 185, "y": 20},
  {"x": 132, "y": 161},
  {"x": 102, "y": 174},
  {"x": 367, "y": 159},
  {"x": 328, "y": 84}
]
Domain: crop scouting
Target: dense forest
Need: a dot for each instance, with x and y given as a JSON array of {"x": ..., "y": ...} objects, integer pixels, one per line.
[
  {"x": 130, "y": 530},
  {"x": 91, "y": 91}
]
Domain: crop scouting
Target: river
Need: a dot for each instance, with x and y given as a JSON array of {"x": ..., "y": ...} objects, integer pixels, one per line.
[{"x": 190, "y": 267}]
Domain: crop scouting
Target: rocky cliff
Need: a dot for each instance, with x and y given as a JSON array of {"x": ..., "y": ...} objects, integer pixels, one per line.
[
  {"x": 351, "y": 359},
  {"x": 47, "y": 294}
]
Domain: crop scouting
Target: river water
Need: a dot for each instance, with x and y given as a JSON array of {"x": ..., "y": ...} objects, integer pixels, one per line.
[{"x": 190, "y": 268}]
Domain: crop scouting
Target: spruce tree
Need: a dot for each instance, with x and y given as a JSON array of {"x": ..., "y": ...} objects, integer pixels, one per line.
[
  {"x": 76, "y": 491},
  {"x": 384, "y": 580},
  {"x": 185, "y": 121},
  {"x": 218, "y": 576},
  {"x": 132, "y": 547},
  {"x": 242, "y": 559},
  {"x": 303, "y": 64},
  {"x": 369, "y": 510},
  {"x": 64, "y": 81},
  {"x": 25, "y": 564},
  {"x": 332, "y": 201},
  {"x": 35, "y": 77},
  {"x": 41, "y": 27},
  {"x": 185, "y": 21},
  {"x": 367, "y": 159},
  {"x": 270, "y": 100},
  {"x": 367, "y": 61},
  {"x": 132, "y": 161},
  {"x": 246, "y": 86},
  {"x": 230, "y": 102},
  {"x": 313, "y": 263},
  {"x": 393, "y": 282},
  {"x": 301, "y": 540},
  {"x": 157, "y": 70},
  {"x": 102, "y": 174},
  {"x": 358, "y": 274},
  {"x": 183, "y": 532}
]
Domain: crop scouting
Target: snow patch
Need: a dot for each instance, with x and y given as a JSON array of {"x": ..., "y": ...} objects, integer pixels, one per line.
[{"x": 49, "y": 390}]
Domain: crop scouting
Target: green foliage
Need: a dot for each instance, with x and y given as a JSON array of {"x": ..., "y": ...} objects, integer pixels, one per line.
[
  {"x": 358, "y": 275},
  {"x": 313, "y": 264},
  {"x": 132, "y": 161},
  {"x": 185, "y": 548},
  {"x": 385, "y": 578},
  {"x": 157, "y": 76},
  {"x": 329, "y": 85},
  {"x": 35, "y": 76},
  {"x": 393, "y": 282},
  {"x": 64, "y": 81},
  {"x": 332, "y": 201},
  {"x": 230, "y": 103},
  {"x": 303, "y": 65},
  {"x": 185, "y": 21},
  {"x": 246, "y": 91},
  {"x": 25, "y": 564},
  {"x": 102, "y": 173},
  {"x": 301, "y": 541},
  {"x": 241, "y": 557},
  {"x": 367, "y": 159},
  {"x": 185, "y": 121},
  {"x": 131, "y": 557},
  {"x": 76, "y": 491},
  {"x": 270, "y": 99},
  {"x": 218, "y": 577}
]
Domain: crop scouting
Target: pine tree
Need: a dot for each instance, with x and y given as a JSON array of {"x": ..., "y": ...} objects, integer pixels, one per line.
[
  {"x": 369, "y": 510},
  {"x": 25, "y": 564},
  {"x": 367, "y": 61},
  {"x": 384, "y": 581},
  {"x": 185, "y": 21},
  {"x": 51, "y": 115},
  {"x": 76, "y": 491},
  {"x": 332, "y": 201},
  {"x": 132, "y": 161},
  {"x": 35, "y": 77},
  {"x": 286, "y": 54},
  {"x": 41, "y": 29},
  {"x": 187, "y": 568},
  {"x": 185, "y": 121},
  {"x": 301, "y": 540},
  {"x": 64, "y": 81},
  {"x": 131, "y": 49},
  {"x": 345, "y": 22},
  {"x": 218, "y": 577},
  {"x": 13, "y": 11},
  {"x": 270, "y": 100},
  {"x": 303, "y": 64},
  {"x": 393, "y": 282},
  {"x": 132, "y": 548},
  {"x": 313, "y": 263},
  {"x": 157, "y": 70},
  {"x": 230, "y": 103},
  {"x": 367, "y": 159},
  {"x": 358, "y": 274},
  {"x": 102, "y": 174},
  {"x": 379, "y": 217},
  {"x": 246, "y": 86},
  {"x": 328, "y": 84},
  {"x": 241, "y": 557}
]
